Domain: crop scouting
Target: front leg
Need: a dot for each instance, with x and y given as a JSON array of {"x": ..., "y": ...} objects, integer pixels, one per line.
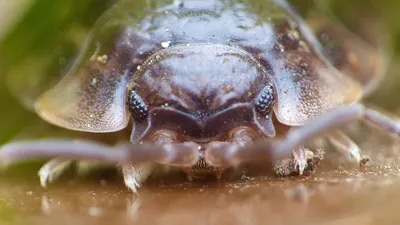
[
  {"x": 55, "y": 168},
  {"x": 136, "y": 174},
  {"x": 347, "y": 147},
  {"x": 302, "y": 161}
]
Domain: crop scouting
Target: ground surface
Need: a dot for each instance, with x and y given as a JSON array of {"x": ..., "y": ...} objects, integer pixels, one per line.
[{"x": 335, "y": 195}]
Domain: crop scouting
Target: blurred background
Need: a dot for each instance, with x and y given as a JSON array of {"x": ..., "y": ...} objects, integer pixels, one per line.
[
  {"x": 38, "y": 41},
  {"x": 40, "y": 38}
]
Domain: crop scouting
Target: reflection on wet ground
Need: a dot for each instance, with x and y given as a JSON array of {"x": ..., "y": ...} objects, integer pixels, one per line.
[
  {"x": 326, "y": 198},
  {"x": 335, "y": 195}
]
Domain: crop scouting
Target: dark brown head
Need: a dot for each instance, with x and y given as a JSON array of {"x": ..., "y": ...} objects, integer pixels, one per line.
[{"x": 201, "y": 93}]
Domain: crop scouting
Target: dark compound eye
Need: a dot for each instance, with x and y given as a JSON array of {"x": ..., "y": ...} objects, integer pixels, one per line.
[
  {"x": 265, "y": 100},
  {"x": 137, "y": 107}
]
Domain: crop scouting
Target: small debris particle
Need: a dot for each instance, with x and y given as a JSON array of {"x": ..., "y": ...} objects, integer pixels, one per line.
[
  {"x": 165, "y": 44},
  {"x": 228, "y": 88},
  {"x": 363, "y": 162},
  {"x": 94, "y": 81},
  {"x": 244, "y": 177},
  {"x": 102, "y": 59}
]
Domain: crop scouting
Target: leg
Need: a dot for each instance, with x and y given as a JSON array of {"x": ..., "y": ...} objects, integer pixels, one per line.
[
  {"x": 56, "y": 167},
  {"x": 135, "y": 175},
  {"x": 391, "y": 125},
  {"x": 226, "y": 154},
  {"x": 345, "y": 145},
  {"x": 298, "y": 163},
  {"x": 303, "y": 160},
  {"x": 53, "y": 169},
  {"x": 289, "y": 166}
]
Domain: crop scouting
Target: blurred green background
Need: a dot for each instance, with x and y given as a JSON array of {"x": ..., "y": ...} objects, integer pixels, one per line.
[{"x": 40, "y": 38}]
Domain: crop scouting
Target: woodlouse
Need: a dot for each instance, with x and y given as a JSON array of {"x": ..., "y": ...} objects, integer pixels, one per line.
[{"x": 205, "y": 83}]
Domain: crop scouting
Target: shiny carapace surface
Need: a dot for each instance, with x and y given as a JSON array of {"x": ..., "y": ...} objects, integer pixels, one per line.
[{"x": 268, "y": 35}]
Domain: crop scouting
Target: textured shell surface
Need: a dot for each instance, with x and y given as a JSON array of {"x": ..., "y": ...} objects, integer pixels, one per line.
[{"x": 202, "y": 57}]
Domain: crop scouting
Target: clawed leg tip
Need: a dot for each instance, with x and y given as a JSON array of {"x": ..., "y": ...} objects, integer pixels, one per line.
[
  {"x": 132, "y": 183},
  {"x": 300, "y": 167},
  {"x": 133, "y": 187},
  {"x": 45, "y": 178}
]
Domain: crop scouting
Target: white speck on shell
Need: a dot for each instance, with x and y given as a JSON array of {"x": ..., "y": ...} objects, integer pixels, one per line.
[
  {"x": 94, "y": 81},
  {"x": 165, "y": 44}
]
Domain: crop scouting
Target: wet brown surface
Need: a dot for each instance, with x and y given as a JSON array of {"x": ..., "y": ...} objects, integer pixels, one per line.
[
  {"x": 334, "y": 195},
  {"x": 328, "y": 198}
]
